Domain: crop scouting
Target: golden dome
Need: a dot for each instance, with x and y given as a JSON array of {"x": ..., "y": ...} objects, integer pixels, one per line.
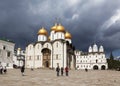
[
  {"x": 60, "y": 28},
  {"x": 54, "y": 27},
  {"x": 42, "y": 31},
  {"x": 68, "y": 35}
]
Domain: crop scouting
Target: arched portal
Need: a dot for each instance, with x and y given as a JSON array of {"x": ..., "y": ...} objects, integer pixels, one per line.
[
  {"x": 46, "y": 57},
  {"x": 103, "y": 67},
  {"x": 95, "y": 67}
]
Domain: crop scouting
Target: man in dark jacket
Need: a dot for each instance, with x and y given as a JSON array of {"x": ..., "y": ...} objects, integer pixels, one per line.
[
  {"x": 57, "y": 70},
  {"x": 62, "y": 71}
]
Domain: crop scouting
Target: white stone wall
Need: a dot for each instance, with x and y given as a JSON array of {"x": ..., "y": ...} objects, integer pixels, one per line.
[
  {"x": 6, "y": 53},
  {"x": 58, "y": 54}
]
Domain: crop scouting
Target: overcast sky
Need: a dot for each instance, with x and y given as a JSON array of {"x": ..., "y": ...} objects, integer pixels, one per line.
[{"x": 89, "y": 21}]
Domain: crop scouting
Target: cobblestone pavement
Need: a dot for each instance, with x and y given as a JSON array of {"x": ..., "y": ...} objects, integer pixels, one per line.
[{"x": 45, "y": 77}]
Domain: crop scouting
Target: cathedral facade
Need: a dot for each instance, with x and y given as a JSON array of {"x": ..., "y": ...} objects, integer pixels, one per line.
[
  {"x": 93, "y": 59},
  {"x": 51, "y": 50}
]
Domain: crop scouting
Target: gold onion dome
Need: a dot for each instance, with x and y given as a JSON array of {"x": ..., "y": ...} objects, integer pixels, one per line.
[
  {"x": 42, "y": 31},
  {"x": 60, "y": 28},
  {"x": 68, "y": 35},
  {"x": 54, "y": 27}
]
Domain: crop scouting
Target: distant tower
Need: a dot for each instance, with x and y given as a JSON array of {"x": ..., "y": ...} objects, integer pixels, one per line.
[
  {"x": 18, "y": 51},
  {"x": 95, "y": 48},
  {"x": 90, "y": 49},
  {"x": 42, "y": 34},
  {"x": 101, "y": 49}
]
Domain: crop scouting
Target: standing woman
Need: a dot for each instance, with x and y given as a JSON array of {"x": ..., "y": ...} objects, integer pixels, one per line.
[{"x": 66, "y": 71}]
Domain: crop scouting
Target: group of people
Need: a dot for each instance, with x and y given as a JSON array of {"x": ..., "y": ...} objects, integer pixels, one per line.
[
  {"x": 3, "y": 70},
  {"x": 62, "y": 71}
]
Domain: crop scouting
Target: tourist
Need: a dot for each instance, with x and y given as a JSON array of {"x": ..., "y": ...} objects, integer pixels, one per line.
[
  {"x": 66, "y": 71},
  {"x": 62, "y": 71},
  {"x": 86, "y": 69},
  {"x": 31, "y": 68},
  {"x": 1, "y": 69},
  {"x": 22, "y": 70},
  {"x": 5, "y": 70},
  {"x": 57, "y": 70}
]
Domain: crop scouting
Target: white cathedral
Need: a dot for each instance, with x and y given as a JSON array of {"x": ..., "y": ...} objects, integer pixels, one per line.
[
  {"x": 51, "y": 51},
  {"x": 56, "y": 49}
]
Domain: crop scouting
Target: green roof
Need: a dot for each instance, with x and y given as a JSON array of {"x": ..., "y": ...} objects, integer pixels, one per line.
[{"x": 7, "y": 40}]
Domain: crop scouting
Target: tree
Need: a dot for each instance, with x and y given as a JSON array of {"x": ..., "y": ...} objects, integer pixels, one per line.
[
  {"x": 111, "y": 56},
  {"x": 113, "y": 64}
]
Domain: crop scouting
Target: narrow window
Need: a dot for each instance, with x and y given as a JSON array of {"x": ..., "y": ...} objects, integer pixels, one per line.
[
  {"x": 56, "y": 57},
  {"x": 96, "y": 60},
  {"x": 57, "y": 44},
  {"x": 8, "y": 54},
  {"x": 38, "y": 57},
  {"x": 4, "y": 47}
]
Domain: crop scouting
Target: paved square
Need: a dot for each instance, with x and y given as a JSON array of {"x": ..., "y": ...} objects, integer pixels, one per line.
[{"x": 45, "y": 77}]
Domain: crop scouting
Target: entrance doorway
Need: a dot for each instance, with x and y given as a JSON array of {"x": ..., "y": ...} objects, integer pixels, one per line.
[
  {"x": 95, "y": 67},
  {"x": 46, "y": 57},
  {"x": 103, "y": 67}
]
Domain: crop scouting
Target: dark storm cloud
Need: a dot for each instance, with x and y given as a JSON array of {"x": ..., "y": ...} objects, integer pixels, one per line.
[{"x": 21, "y": 19}]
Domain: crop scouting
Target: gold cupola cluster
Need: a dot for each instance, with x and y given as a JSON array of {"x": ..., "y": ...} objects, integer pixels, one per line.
[
  {"x": 42, "y": 31},
  {"x": 58, "y": 28},
  {"x": 68, "y": 35}
]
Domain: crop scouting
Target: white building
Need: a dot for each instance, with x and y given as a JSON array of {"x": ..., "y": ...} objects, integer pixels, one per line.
[
  {"x": 93, "y": 59},
  {"x": 6, "y": 53},
  {"x": 50, "y": 51}
]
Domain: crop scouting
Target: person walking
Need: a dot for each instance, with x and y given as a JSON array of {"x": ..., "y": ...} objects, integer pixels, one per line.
[
  {"x": 66, "y": 71},
  {"x": 62, "y": 71},
  {"x": 5, "y": 70},
  {"x": 1, "y": 69},
  {"x": 57, "y": 70},
  {"x": 23, "y": 70}
]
